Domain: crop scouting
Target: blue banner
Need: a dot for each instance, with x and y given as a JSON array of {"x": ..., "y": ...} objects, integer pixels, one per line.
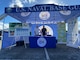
[
  {"x": 42, "y": 42},
  {"x": 42, "y": 7}
]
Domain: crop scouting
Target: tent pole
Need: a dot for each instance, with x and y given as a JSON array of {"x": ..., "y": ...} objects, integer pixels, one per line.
[{"x": 2, "y": 33}]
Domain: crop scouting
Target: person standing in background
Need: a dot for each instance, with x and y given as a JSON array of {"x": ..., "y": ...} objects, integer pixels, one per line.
[
  {"x": 44, "y": 31},
  {"x": 36, "y": 31}
]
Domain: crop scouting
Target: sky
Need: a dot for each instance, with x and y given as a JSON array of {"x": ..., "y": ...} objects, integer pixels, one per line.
[{"x": 28, "y": 3}]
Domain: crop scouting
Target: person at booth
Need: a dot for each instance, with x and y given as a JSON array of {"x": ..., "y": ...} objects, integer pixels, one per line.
[
  {"x": 36, "y": 31},
  {"x": 44, "y": 31}
]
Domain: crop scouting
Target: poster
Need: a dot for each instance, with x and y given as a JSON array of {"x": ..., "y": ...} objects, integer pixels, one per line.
[
  {"x": 22, "y": 32},
  {"x": 12, "y": 27},
  {"x": 61, "y": 32},
  {"x": 19, "y": 29}
]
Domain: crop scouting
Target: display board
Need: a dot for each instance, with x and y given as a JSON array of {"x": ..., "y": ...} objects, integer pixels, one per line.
[
  {"x": 72, "y": 34},
  {"x": 19, "y": 29},
  {"x": 22, "y": 32},
  {"x": 61, "y": 32}
]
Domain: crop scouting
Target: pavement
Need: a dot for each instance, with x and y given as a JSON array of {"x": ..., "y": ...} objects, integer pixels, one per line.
[{"x": 61, "y": 52}]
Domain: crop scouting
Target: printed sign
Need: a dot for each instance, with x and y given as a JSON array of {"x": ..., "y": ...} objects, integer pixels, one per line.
[
  {"x": 12, "y": 27},
  {"x": 22, "y": 32},
  {"x": 61, "y": 32},
  {"x": 19, "y": 29}
]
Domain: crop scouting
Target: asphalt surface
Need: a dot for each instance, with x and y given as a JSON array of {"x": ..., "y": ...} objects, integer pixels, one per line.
[{"x": 61, "y": 52}]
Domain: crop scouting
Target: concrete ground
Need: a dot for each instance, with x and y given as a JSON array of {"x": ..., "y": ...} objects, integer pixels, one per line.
[{"x": 61, "y": 52}]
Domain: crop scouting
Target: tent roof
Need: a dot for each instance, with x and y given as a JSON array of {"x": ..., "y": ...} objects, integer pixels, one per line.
[{"x": 38, "y": 16}]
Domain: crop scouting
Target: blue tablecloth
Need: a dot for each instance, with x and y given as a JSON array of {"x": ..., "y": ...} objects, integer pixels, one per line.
[{"x": 41, "y": 42}]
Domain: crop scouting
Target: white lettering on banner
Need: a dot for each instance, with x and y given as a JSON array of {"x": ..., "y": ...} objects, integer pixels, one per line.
[
  {"x": 43, "y": 7},
  {"x": 41, "y": 42}
]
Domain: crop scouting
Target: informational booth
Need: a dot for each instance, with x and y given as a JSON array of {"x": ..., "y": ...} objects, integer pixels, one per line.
[{"x": 53, "y": 17}]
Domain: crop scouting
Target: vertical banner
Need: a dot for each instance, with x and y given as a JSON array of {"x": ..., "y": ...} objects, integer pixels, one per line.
[
  {"x": 61, "y": 33},
  {"x": 72, "y": 34}
]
